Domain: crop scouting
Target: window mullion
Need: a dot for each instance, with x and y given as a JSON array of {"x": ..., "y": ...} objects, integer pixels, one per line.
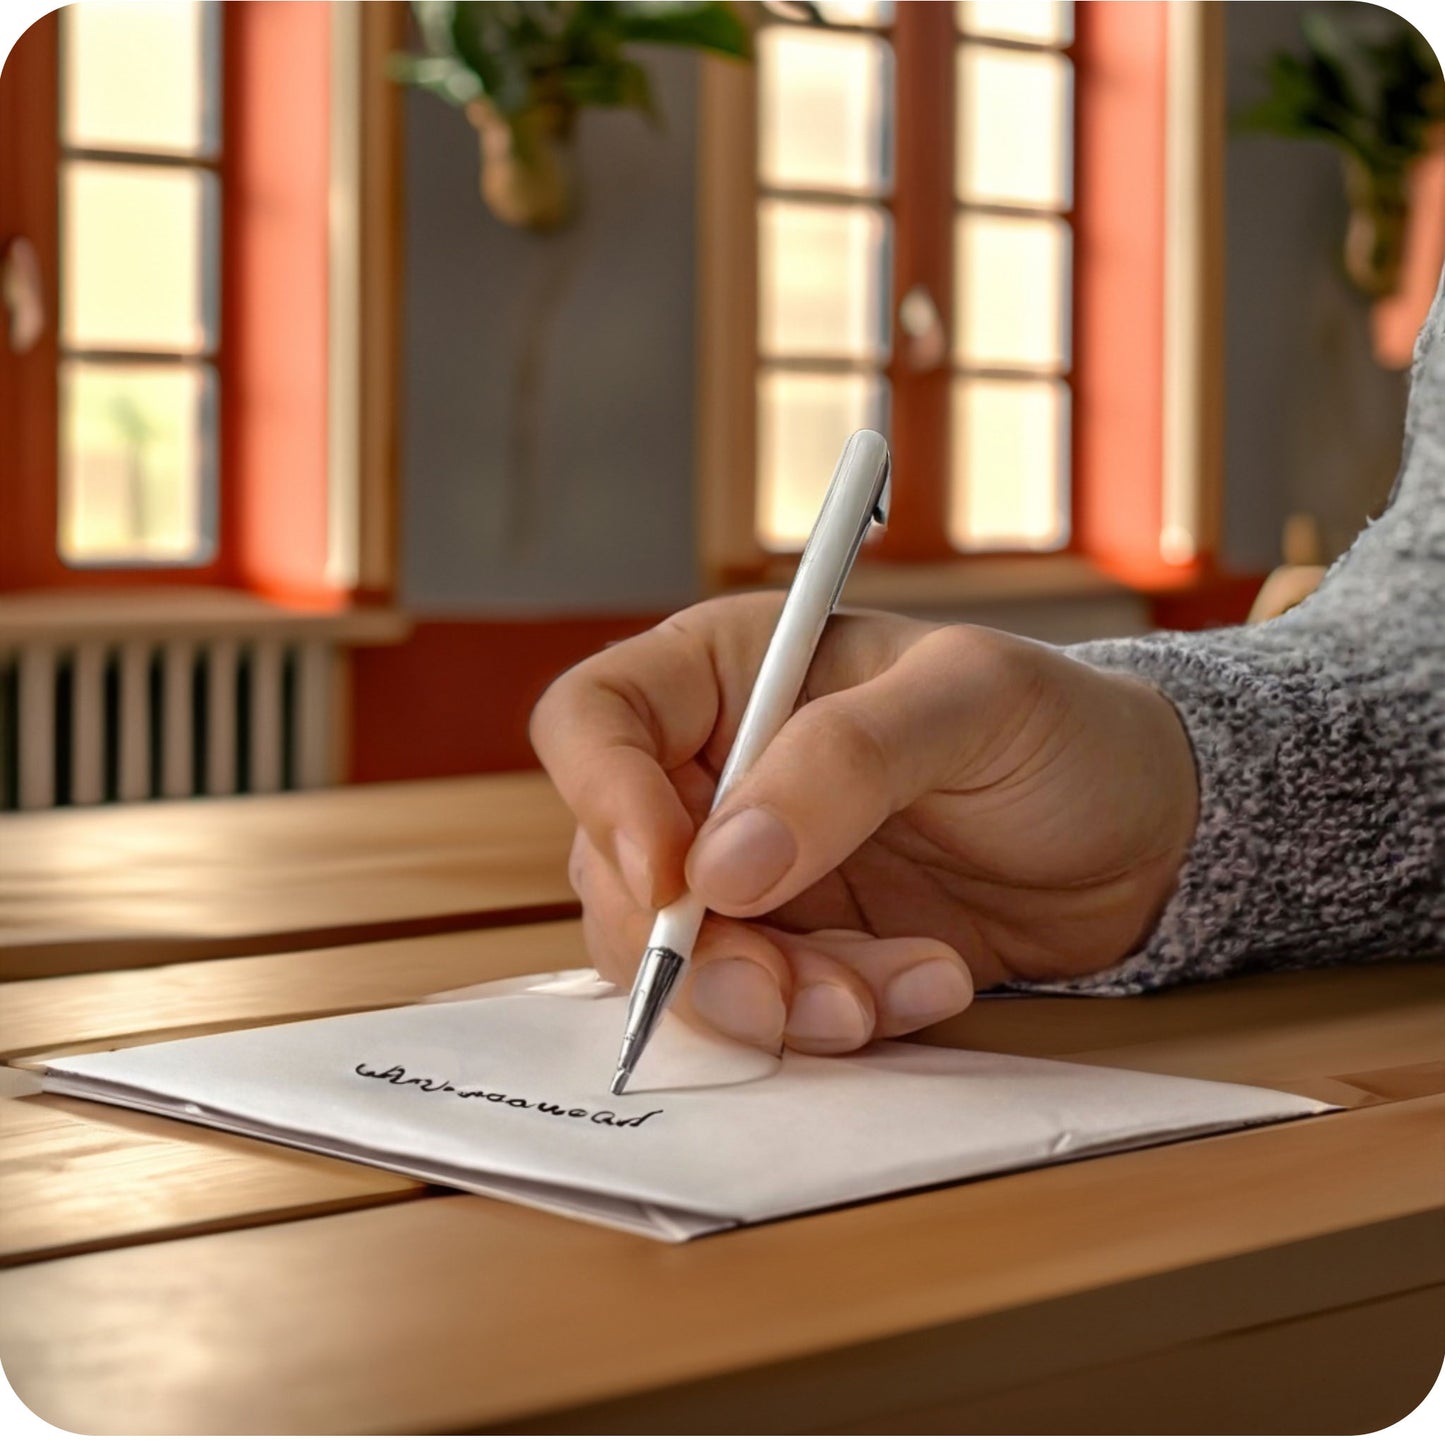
[{"x": 923, "y": 207}]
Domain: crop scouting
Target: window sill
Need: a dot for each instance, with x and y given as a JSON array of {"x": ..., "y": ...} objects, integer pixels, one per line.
[
  {"x": 965, "y": 582},
  {"x": 63, "y": 617},
  {"x": 1057, "y": 598}
]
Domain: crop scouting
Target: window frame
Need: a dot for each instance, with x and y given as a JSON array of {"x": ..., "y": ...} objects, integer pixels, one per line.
[
  {"x": 307, "y": 459},
  {"x": 1144, "y": 305},
  {"x": 210, "y": 355}
]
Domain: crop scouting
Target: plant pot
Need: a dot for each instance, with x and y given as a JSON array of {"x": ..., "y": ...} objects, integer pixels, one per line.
[
  {"x": 529, "y": 173},
  {"x": 1375, "y": 239}
]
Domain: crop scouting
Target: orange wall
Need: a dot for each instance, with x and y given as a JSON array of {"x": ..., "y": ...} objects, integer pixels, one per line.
[{"x": 456, "y": 695}]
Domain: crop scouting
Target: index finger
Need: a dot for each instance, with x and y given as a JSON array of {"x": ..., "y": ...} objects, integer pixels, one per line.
[{"x": 611, "y": 730}]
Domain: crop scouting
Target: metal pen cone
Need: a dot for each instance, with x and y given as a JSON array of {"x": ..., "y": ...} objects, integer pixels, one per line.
[{"x": 657, "y": 976}]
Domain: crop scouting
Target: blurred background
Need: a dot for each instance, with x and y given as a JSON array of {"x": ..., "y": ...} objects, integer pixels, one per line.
[{"x": 367, "y": 365}]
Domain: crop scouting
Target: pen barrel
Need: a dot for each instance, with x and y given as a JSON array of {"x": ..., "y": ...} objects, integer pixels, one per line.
[
  {"x": 857, "y": 496},
  {"x": 676, "y": 927},
  {"x": 852, "y": 499}
]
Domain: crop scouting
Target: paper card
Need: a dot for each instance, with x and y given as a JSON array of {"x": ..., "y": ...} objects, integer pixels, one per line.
[{"x": 506, "y": 1094}]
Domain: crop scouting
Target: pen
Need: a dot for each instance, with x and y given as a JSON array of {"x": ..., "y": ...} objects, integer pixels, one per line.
[{"x": 857, "y": 497}]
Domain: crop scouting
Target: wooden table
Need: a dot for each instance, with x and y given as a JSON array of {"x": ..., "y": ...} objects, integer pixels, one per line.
[
  {"x": 164, "y": 1278},
  {"x": 117, "y": 887}
]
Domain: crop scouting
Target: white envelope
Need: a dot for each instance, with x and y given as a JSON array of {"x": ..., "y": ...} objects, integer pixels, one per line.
[{"x": 506, "y": 1095}]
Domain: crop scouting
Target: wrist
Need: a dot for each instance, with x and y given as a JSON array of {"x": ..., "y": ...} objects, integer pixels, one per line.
[{"x": 1173, "y": 786}]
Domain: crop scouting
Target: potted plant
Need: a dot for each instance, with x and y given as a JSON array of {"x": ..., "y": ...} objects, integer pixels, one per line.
[
  {"x": 1376, "y": 95},
  {"x": 521, "y": 72}
]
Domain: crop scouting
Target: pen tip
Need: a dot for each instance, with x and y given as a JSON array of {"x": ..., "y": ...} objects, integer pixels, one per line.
[{"x": 619, "y": 1080}]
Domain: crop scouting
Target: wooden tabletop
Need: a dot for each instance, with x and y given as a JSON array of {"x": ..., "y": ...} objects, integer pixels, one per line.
[
  {"x": 115, "y": 887},
  {"x": 166, "y": 1278}
]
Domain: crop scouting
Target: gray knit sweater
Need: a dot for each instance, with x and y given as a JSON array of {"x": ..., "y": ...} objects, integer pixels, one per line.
[{"x": 1319, "y": 739}]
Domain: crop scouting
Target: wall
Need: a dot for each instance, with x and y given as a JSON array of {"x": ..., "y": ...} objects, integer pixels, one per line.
[
  {"x": 1312, "y": 422},
  {"x": 601, "y": 520}
]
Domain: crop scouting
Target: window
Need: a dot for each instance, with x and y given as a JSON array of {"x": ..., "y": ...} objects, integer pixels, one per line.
[
  {"x": 139, "y": 267},
  {"x": 988, "y": 230},
  {"x": 197, "y": 199},
  {"x": 828, "y": 234}
]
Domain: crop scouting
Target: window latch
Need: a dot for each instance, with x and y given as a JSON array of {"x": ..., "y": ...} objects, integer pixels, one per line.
[
  {"x": 24, "y": 294},
  {"x": 920, "y": 322}
]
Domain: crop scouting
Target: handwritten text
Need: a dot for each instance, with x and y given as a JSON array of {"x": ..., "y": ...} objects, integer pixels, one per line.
[{"x": 397, "y": 1075}]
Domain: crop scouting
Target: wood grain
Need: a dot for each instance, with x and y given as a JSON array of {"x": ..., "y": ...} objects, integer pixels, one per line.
[
  {"x": 82, "y": 1177},
  {"x": 1280, "y": 1030},
  {"x": 116, "y": 887},
  {"x": 1341, "y": 1372},
  {"x": 53, "y": 1015},
  {"x": 460, "y": 1313},
  {"x": 1271, "y": 1029},
  {"x": 78, "y": 1176}
]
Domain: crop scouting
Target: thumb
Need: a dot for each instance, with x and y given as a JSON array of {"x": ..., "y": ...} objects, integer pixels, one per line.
[{"x": 839, "y": 767}]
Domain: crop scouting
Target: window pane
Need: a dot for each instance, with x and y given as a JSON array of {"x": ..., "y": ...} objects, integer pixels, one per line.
[
  {"x": 1013, "y": 126},
  {"x": 136, "y": 463},
  {"x": 856, "y": 12},
  {"x": 134, "y": 253},
  {"x": 1010, "y": 464},
  {"x": 821, "y": 280},
  {"x": 1050, "y": 22},
  {"x": 1010, "y": 280},
  {"x": 135, "y": 76},
  {"x": 823, "y": 104},
  {"x": 803, "y": 421}
]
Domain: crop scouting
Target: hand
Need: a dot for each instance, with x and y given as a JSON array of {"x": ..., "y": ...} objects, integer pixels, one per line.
[{"x": 947, "y": 806}]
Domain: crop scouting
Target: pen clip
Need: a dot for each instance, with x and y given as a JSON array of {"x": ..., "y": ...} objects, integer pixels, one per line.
[
  {"x": 885, "y": 498},
  {"x": 876, "y": 516}
]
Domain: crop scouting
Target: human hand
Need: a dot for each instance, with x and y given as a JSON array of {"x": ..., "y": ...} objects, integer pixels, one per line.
[{"x": 948, "y": 806}]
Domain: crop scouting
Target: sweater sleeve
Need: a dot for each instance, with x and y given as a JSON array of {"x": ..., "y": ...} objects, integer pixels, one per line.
[{"x": 1319, "y": 740}]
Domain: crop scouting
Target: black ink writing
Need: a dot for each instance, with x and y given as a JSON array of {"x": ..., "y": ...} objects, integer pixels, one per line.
[{"x": 398, "y": 1076}]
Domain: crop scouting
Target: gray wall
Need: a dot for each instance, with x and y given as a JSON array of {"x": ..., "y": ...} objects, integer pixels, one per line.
[
  {"x": 601, "y": 518},
  {"x": 1312, "y": 424}
]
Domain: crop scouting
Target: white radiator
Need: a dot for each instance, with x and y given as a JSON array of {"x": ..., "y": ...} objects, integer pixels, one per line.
[{"x": 101, "y": 722}]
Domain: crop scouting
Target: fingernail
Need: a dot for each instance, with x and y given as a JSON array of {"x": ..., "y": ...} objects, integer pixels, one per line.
[
  {"x": 636, "y": 871},
  {"x": 740, "y": 998},
  {"x": 743, "y": 857},
  {"x": 926, "y": 993},
  {"x": 824, "y": 1013}
]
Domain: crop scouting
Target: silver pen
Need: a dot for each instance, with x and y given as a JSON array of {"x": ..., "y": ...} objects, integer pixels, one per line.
[{"x": 857, "y": 497}]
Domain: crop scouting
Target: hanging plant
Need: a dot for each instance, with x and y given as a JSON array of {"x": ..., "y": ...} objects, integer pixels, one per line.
[
  {"x": 1375, "y": 94},
  {"x": 521, "y": 72}
]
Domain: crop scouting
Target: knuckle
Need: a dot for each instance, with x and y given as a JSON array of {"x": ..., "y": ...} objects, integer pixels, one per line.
[
  {"x": 1007, "y": 665},
  {"x": 547, "y": 710},
  {"x": 973, "y": 646},
  {"x": 846, "y": 737}
]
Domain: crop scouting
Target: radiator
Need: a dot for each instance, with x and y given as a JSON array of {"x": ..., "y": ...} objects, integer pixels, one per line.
[{"x": 105, "y": 722}]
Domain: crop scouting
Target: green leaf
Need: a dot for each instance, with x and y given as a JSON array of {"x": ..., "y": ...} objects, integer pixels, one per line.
[
  {"x": 1367, "y": 84},
  {"x": 525, "y": 53},
  {"x": 622, "y": 83},
  {"x": 705, "y": 25},
  {"x": 448, "y": 79},
  {"x": 434, "y": 20},
  {"x": 1334, "y": 64},
  {"x": 485, "y": 36}
]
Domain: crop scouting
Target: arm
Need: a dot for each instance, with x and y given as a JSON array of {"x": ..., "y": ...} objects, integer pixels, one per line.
[{"x": 1319, "y": 739}]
